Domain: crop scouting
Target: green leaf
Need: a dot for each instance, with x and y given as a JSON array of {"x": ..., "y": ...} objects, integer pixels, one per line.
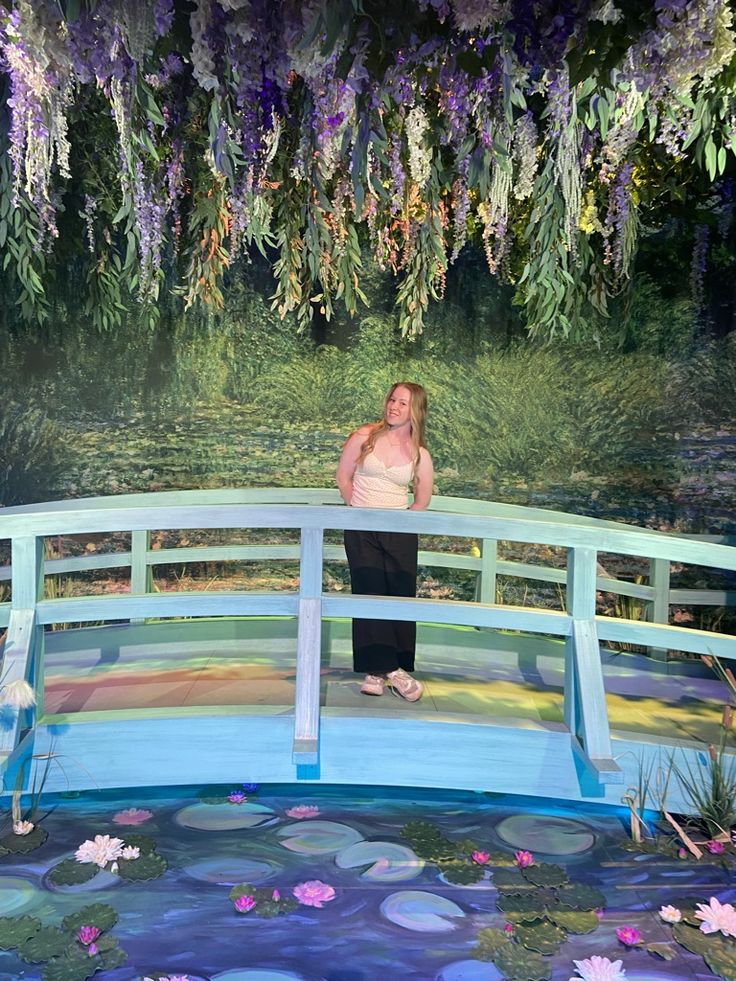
[
  {"x": 15, "y": 930},
  {"x": 101, "y": 915},
  {"x": 70, "y": 872}
]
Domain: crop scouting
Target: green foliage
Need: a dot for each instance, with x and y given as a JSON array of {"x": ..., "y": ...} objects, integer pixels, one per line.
[
  {"x": 70, "y": 872},
  {"x": 15, "y": 930},
  {"x": 541, "y": 935},
  {"x": 12, "y": 844},
  {"x": 33, "y": 454},
  {"x": 581, "y": 897},
  {"x": 546, "y": 875},
  {"x": 710, "y": 787},
  {"x": 65, "y": 958},
  {"x": 265, "y": 904},
  {"x": 462, "y": 873},
  {"x": 74, "y": 965},
  {"x": 49, "y": 942},
  {"x": 518, "y": 964},
  {"x": 146, "y": 866},
  {"x": 722, "y": 961},
  {"x": 429, "y": 843},
  {"x": 511, "y": 882},
  {"x": 490, "y": 941},
  {"x": 146, "y": 844},
  {"x": 101, "y": 915},
  {"x": 574, "y": 921}
]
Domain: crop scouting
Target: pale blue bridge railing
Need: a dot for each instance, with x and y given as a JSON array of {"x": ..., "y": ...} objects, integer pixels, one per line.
[{"x": 312, "y": 512}]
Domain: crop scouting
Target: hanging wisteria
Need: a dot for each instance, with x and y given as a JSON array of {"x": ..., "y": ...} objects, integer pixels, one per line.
[{"x": 163, "y": 140}]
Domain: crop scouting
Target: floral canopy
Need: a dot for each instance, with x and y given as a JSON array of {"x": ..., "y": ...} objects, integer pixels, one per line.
[{"x": 155, "y": 143}]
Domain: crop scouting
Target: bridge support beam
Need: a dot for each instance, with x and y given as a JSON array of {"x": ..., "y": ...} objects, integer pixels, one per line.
[
  {"x": 23, "y": 651},
  {"x": 308, "y": 653},
  {"x": 586, "y": 714}
]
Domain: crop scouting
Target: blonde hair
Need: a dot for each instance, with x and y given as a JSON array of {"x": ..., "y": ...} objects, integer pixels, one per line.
[{"x": 418, "y": 421}]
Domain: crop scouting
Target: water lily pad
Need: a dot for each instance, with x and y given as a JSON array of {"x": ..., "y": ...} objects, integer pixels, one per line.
[
  {"x": 422, "y": 912},
  {"x": 46, "y": 943},
  {"x": 546, "y": 835},
  {"x": 224, "y": 817},
  {"x": 229, "y": 870},
  {"x": 257, "y": 974},
  {"x": 470, "y": 971},
  {"x": 57, "y": 880},
  {"x": 388, "y": 861},
  {"x": 318, "y": 837}
]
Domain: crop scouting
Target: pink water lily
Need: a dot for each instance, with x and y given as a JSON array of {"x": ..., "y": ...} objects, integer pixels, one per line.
[
  {"x": 237, "y": 797},
  {"x": 93, "y": 949},
  {"x": 715, "y": 847},
  {"x": 244, "y": 904},
  {"x": 276, "y": 895},
  {"x": 524, "y": 859},
  {"x": 132, "y": 815},
  {"x": 302, "y": 811},
  {"x": 88, "y": 934},
  {"x": 313, "y": 893},
  {"x": 481, "y": 858},
  {"x": 629, "y": 936}
]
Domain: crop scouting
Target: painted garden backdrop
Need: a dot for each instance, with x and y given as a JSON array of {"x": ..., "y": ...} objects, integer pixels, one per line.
[{"x": 227, "y": 225}]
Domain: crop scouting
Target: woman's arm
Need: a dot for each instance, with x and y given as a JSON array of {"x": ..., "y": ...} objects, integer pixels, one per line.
[
  {"x": 423, "y": 482},
  {"x": 348, "y": 462}
]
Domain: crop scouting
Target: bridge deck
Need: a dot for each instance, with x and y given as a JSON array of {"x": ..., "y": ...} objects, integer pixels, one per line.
[{"x": 181, "y": 701}]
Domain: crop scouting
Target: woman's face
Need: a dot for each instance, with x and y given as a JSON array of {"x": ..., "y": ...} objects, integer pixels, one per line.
[{"x": 398, "y": 407}]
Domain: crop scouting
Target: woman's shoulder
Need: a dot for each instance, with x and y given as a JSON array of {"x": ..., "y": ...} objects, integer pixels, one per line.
[{"x": 424, "y": 455}]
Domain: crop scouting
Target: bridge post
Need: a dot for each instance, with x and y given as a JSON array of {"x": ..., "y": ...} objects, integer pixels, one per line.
[
  {"x": 308, "y": 644},
  {"x": 658, "y": 611},
  {"x": 23, "y": 653},
  {"x": 586, "y": 715},
  {"x": 486, "y": 588},
  {"x": 141, "y": 579}
]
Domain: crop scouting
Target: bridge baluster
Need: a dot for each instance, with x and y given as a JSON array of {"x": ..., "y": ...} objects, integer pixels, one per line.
[
  {"x": 309, "y": 632},
  {"x": 658, "y": 611},
  {"x": 23, "y": 653},
  {"x": 586, "y": 714}
]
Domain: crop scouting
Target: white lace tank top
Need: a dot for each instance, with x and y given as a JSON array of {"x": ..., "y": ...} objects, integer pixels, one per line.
[{"x": 377, "y": 486}]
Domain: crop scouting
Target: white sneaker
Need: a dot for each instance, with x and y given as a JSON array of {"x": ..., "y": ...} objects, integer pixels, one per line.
[
  {"x": 373, "y": 684},
  {"x": 405, "y": 686}
]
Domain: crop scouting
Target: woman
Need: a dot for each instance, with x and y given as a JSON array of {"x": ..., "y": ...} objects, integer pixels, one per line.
[{"x": 378, "y": 463}]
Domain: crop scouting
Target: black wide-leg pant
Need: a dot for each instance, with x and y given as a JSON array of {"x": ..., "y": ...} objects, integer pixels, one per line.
[{"x": 383, "y": 563}]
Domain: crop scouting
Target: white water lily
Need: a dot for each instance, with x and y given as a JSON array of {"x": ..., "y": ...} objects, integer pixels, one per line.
[
  {"x": 18, "y": 694},
  {"x": 670, "y": 914},
  {"x": 130, "y": 852},
  {"x": 599, "y": 969},
  {"x": 102, "y": 850},
  {"x": 23, "y": 827}
]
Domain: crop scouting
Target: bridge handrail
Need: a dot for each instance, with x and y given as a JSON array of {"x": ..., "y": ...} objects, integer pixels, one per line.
[{"x": 315, "y": 511}]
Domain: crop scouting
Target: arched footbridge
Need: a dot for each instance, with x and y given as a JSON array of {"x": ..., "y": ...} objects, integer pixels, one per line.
[{"x": 147, "y": 686}]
